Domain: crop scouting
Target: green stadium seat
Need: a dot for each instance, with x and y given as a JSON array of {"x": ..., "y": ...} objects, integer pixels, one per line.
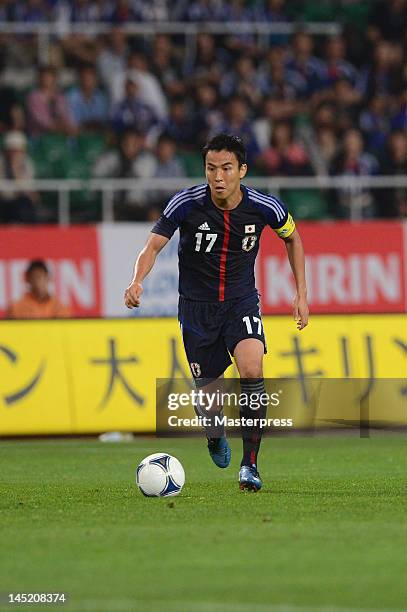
[
  {"x": 357, "y": 14},
  {"x": 57, "y": 156},
  {"x": 313, "y": 10},
  {"x": 52, "y": 154},
  {"x": 305, "y": 203},
  {"x": 192, "y": 162},
  {"x": 89, "y": 147}
]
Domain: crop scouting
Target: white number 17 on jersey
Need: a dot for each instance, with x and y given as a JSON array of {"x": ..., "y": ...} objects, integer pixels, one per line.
[
  {"x": 211, "y": 238},
  {"x": 249, "y": 324}
]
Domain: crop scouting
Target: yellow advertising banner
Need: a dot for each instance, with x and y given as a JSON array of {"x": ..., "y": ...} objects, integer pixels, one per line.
[
  {"x": 35, "y": 393},
  {"x": 89, "y": 376}
]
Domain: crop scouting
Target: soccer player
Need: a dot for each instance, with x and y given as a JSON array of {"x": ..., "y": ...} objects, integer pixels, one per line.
[{"x": 220, "y": 225}]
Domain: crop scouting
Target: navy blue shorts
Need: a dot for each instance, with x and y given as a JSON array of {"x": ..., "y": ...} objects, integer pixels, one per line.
[{"x": 211, "y": 331}]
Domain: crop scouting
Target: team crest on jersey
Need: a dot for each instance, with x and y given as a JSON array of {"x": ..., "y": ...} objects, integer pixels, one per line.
[
  {"x": 248, "y": 242},
  {"x": 195, "y": 369}
]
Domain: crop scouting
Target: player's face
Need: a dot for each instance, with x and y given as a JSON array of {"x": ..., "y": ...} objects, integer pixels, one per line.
[{"x": 223, "y": 174}]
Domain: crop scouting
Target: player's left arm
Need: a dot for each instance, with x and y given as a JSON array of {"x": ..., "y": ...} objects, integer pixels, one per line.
[{"x": 295, "y": 252}]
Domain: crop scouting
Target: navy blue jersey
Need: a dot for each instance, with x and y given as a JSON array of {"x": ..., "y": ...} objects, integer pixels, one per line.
[{"x": 218, "y": 248}]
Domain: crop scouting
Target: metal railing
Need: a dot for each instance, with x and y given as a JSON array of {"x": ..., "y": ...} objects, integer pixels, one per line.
[
  {"x": 59, "y": 28},
  {"x": 108, "y": 188},
  {"x": 262, "y": 30}
]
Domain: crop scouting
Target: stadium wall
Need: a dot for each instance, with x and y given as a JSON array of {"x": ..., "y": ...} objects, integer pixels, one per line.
[
  {"x": 90, "y": 376},
  {"x": 351, "y": 268}
]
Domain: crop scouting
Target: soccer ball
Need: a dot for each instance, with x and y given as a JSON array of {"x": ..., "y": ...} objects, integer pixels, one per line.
[{"x": 160, "y": 475}]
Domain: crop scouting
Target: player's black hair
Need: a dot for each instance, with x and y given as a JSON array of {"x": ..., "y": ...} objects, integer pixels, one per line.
[
  {"x": 226, "y": 142},
  {"x": 36, "y": 264}
]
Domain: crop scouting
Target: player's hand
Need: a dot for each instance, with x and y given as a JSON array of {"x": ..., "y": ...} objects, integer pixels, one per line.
[
  {"x": 300, "y": 311},
  {"x": 132, "y": 295}
]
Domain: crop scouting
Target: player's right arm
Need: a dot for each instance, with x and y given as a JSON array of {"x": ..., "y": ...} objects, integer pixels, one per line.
[
  {"x": 144, "y": 264},
  {"x": 169, "y": 221}
]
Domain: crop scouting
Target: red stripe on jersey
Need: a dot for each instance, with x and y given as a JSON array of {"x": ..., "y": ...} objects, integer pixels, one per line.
[{"x": 223, "y": 255}]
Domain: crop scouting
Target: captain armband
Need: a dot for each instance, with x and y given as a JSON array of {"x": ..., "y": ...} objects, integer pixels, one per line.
[{"x": 287, "y": 229}]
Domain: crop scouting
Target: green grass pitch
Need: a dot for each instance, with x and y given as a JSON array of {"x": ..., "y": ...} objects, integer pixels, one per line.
[{"x": 327, "y": 532}]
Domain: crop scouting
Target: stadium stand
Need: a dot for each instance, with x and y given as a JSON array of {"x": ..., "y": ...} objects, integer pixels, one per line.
[{"x": 323, "y": 104}]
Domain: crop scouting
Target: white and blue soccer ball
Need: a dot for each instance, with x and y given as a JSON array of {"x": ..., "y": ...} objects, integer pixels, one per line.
[{"x": 160, "y": 475}]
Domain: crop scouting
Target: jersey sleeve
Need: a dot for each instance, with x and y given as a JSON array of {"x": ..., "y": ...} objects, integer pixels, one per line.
[
  {"x": 280, "y": 219},
  {"x": 173, "y": 215},
  {"x": 164, "y": 227}
]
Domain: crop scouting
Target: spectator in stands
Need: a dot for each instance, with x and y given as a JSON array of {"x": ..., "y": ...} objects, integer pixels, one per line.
[
  {"x": 17, "y": 206},
  {"x": 284, "y": 99},
  {"x": 78, "y": 47},
  {"x": 207, "y": 115},
  {"x": 202, "y": 10},
  {"x": 81, "y": 11},
  {"x": 47, "y": 106},
  {"x": 245, "y": 81},
  {"x": 388, "y": 21},
  {"x": 399, "y": 119},
  {"x": 235, "y": 11},
  {"x": 166, "y": 67},
  {"x": 209, "y": 62},
  {"x": 283, "y": 88},
  {"x": 11, "y": 112},
  {"x": 347, "y": 104},
  {"x": 112, "y": 59},
  {"x": 7, "y": 11},
  {"x": 354, "y": 160},
  {"x": 151, "y": 91},
  {"x": 237, "y": 121},
  {"x": 275, "y": 108},
  {"x": 285, "y": 156},
  {"x": 337, "y": 67},
  {"x": 32, "y": 11},
  {"x": 304, "y": 65},
  {"x": 131, "y": 160},
  {"x": 324, "y": 116},
  {"x": 87, "y": 103},
  {"x": 169, "y": 165},
  {"x": 259, "y": 87},
  {"x": 132, "y": 112},
  {"x": 122, "y": 12},
  {"x": 322, "y": 148},
  {"x": 155, "y": 10},
  {"x": 238, "y": 11},
  {"x": 179, "y": 124},
  {"x": 271, "y": 11},
  {"x": 394, "y": 163},
  {"x": 38, "y": 302},
  {"x": 374, "y": 122},
  {"x": 384, "y": 76}
]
